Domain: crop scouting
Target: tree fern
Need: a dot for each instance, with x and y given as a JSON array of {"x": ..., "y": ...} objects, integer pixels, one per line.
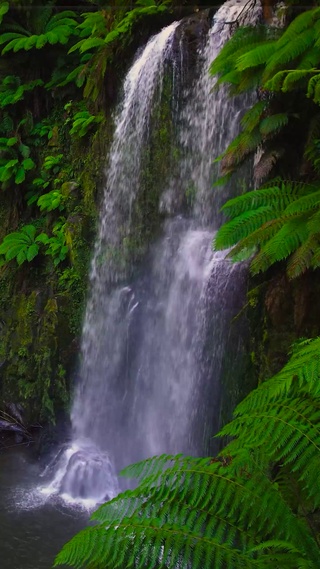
[
  {"x": 301, "y": 260},
  {"x": 243, "y": 225},
  {"x": 281, "y": 219},
  {"x": 257, "y": 56},
  {"x": 242, "y": 41},
  {"x": 253, "y": 116},
  {"x": 301, "y": 23},
  {"x": 236, "y": 510},
  {"x": 258, "y": 60},
  {"x": 278, "y": 195},
  {"x": 289, "y": 237},
  {"x": 273, "y": 123},
  {"x": 289, "y": 52}
]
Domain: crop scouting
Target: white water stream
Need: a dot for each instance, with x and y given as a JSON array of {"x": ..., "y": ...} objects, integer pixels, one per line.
[{"x": 153, "y": 346}]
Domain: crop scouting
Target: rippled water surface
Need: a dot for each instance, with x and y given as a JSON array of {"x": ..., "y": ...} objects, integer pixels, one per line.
[{"x": 32, "y": 530}]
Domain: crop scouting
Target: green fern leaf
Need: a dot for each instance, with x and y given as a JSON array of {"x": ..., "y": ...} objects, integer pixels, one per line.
[
  {"x": 300, "y": 24},
  {"x": 273, "y": 123},
  {"x": 285, "y": 241},
  {"x": 9, "y": 36},
  {"x": 304, "y": 204},
  {"x": 239, "y": 43},
  {"x": 90, "y": 43},
  {"x": 242, "y": 226},
  {"x": 310, "y": 59},
  {"x": 253, "y": 116},
  {"x": 286, "y": 53},
  {"x": 278, "y": 196},
  {"x": 257, "y": 56},
  {"x": 301, "y": 259},
  {"x": 257, "y": 238}
]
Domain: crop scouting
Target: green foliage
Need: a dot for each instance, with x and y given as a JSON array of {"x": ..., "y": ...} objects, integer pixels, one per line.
[
  {"x": 101, "y": 34},
  {"x": 53, "y": 163},
  {"x": 256, "y": 58},
  {"x": 281, "y": 219},
  {"x": 49, "y": 28},
  {"x": 254, "y": 506},
  {"x": 83, "y": 121},
  {"x": 24, "y": 245},
  {"x": 15, "y": 161},
  {"x": 43, "y": 129},
  {"x": 12, "y": 91},
  {"x": 3, "y": 9},
  {"x": 50, "y": 201},
  {"x": 20, "y": 245},
  {"x": 56, "y": 246},
  {"x": 95, "y": 25}
]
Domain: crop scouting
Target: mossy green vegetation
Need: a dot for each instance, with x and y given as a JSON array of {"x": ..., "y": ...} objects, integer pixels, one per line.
[{"x": 55, "y": 128}]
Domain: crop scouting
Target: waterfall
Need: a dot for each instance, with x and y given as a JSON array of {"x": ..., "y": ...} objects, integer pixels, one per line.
[{"x": 153, "y": 341}]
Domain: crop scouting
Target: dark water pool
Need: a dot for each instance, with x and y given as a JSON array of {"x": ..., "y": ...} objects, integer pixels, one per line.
[{"x": 32, "y": 529}]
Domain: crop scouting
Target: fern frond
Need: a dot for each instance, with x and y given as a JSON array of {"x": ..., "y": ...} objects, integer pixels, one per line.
[
  {"x": 293, "y": 78},
  {"x": 300, "y": 24},
  {"x": 313, "y": 223},
  {"x": 289, "y": 51},
  {"x": 238, "y": 150},
  {"x": 301, "y": 372},
  {"x": 180, "y": 547},
  {"x": 301, "y": 259},
  {"x": 273, "y": 123},
  {"x": 242, "y": 39},
  {"x": 252, "y": 117},
  {"x": 291, "y": 235},
  {"x": 278, "y": 196},
  {"x": 257, "y": 238},
  {"x": 309, "y": 60},
  {"x": 311, "y": 151},
  {"x": 242, "y": 226},
  {"x": 313, "y": 88},
  {"x": 257, "y": 56},
  {"x": 304, "y": 204}
]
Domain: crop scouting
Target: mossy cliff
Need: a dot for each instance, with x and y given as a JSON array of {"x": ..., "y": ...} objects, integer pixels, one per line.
[
  {"x": 53, "y": 206},
  {"x": 42, "y": 303}
]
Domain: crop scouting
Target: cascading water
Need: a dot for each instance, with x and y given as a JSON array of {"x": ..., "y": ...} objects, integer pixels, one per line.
[{"x": 153, "y": 344}]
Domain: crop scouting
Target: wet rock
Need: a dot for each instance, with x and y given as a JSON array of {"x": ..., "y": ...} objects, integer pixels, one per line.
[
  {"x": 7, "y": 426},
  {"x": 15, "y": 410}
]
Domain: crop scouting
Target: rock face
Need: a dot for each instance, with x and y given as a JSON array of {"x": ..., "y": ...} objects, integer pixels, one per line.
[
  {"x": 267, "y": 6},
  {"x": 12, "y": 427}
]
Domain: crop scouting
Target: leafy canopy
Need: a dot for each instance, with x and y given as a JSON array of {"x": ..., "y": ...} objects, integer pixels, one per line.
[
  {"x": 281, "y": 219},
  {"x": 258, "y": 58}
]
